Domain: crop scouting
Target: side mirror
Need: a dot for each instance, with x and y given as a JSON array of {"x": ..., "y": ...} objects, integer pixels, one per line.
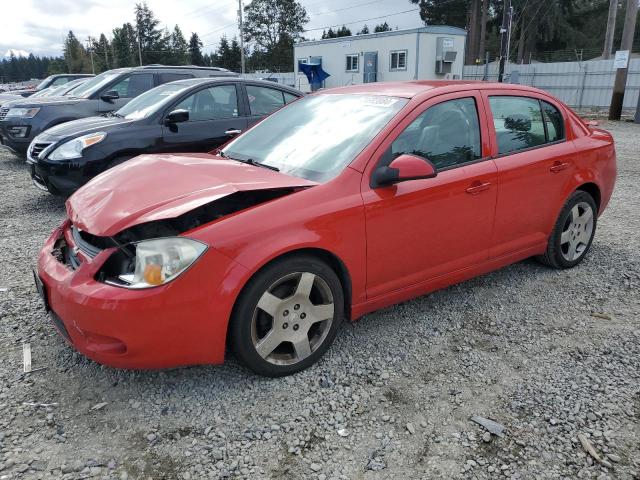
[
  {"x": 405, "y": 167},
  {"x": 177, "y": 116},
  {"x": 110, "y": 96}
]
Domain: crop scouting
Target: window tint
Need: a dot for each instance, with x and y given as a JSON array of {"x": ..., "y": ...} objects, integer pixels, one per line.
[
  {"x": 172, "y": 77},
  {"x": 518, "y": 123},
  {"x": 554, "y": 122},
  {"x": 446, "y": 134},
  {"x": 211, "y": 103},
  {"x": 288, "y": 98},
  {"x": 133, "y": 85},
  {"x": 263, "y": 100}
]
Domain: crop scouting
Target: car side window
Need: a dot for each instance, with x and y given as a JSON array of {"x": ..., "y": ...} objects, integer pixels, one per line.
[
  {"x": 518, "y": 123},
  {"x": 446, "y": 134},
  {"x": 211, "y": 103},
  {"x": 133, "y": 85},
  {"x": 288, "y": 98},
  {"x": 263, "y": 100},
  {"x": 554, "y": 122},
  {"x": 59, "y": 81},
  {"x": 172, "y": 77}
]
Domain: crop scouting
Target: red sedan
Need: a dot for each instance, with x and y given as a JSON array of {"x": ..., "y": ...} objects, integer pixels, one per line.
[{"x": 339, "y": 204}]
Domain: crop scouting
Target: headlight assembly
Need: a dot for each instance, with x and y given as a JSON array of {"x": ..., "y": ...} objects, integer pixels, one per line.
[
  {"x": 22, "y": 112},
  {"x": 158, "y": 262},
  {"x": 73, "y": 148}
]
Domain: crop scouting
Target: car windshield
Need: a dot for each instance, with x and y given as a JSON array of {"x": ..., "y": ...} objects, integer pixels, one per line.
[
  {"x": 317, "y": 136},
  {"x": 44, "y": 83},
  {"x": 94, "y": 84},
  {"x": 150, "y": 101}
]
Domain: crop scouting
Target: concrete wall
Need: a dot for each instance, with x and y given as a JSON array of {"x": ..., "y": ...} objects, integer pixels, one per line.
[
  {"x": 420, "y": 45},
  {"x": 586, "y": 84}
]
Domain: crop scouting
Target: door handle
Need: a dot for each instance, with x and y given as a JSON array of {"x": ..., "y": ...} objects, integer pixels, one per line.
[
  {"x": 477, "y": 187},
  {"x": 558, "y": 167},
  {"x": 233, "y": 131}
]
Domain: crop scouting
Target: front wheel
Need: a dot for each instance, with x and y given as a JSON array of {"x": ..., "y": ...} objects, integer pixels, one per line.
[
  {"x": 287, "y": 316},
  {"x": 573, "y": 232}
]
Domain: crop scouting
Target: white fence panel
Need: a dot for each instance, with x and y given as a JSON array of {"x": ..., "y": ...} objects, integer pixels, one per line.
[{"x": 586, "y": 84}]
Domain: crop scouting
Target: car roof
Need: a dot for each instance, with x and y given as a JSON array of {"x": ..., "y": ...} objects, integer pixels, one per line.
[
  {"x": 411, "y": 89},
  {"x": 199, "y": 81}
]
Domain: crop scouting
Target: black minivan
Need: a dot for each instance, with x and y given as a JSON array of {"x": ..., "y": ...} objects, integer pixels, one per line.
[
  {"x": 194, "y": 115},
  {"x": 106, "y": 92}
]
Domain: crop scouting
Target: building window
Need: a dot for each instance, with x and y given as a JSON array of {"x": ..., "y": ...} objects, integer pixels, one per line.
[
  {"x": 398, "y": 60},
  {"x": 352, "y": 63},
  {"x": 303, "y": 60}
]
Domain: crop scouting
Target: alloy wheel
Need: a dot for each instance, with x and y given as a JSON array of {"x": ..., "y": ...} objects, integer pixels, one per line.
[
  {"x": 577, "y": 232},
  {"x": 292, "y": 318}
]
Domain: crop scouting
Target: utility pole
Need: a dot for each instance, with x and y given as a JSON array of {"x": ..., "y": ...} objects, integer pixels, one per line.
[
  {"x": 240, "y": 25},
  {"x": 611, "y": 29},
  {"x": 90, "y": 47},
  {"x": 506, "y": 11},
  {"x": 139, "y": 47},
  {"x": 617, "y": 99}
]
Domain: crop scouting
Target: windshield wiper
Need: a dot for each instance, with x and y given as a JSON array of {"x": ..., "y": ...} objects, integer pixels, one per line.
[{"x": 251, "y": 161}]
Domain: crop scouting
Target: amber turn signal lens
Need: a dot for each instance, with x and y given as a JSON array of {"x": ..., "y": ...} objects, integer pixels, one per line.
[{"x": 153, "y": 274}]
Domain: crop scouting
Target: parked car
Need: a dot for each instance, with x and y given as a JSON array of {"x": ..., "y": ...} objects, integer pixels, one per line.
[
  {"x": 51, "y": 81},
  {"x": 341, "y": 203},
  {"x": 193, "y": 115},
  {"x": 106, "y": 92}
]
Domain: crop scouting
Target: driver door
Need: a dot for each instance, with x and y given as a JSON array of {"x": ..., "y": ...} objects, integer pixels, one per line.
[
  {"x": 214, "y": 118},
  {"x": 128, "y": 88},
  {"x": 418, "y": 230}
]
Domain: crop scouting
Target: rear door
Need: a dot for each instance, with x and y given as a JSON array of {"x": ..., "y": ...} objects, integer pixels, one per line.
[
  {"x": 262, "y": 101},
  {"x": 535, "y": 161},
  {"x": 215, "y": 116}
]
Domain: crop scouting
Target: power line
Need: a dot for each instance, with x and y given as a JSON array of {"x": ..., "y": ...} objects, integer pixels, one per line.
[{"x": 363, "y": 20}]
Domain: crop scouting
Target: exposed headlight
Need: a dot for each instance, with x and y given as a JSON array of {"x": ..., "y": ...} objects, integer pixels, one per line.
[
  {"x": 22, "y": 112},
  {"x": 160, "y": 261},
  {"x": 74, "y": 148}
]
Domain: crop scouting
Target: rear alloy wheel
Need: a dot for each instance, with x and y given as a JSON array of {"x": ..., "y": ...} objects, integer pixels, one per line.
[
  {"x": 573, "y": 232},
  {"x": 287, "y": 317}
]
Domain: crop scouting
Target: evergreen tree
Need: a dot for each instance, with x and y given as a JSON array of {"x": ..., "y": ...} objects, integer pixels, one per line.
[
  {"x": 364, "y": 30},
  {"x": 151, "y": 38},
  {"x": 75, "y": 55},
  {"x": 383, "y": 27},
  {"x": 179, "y": 49},
  {"x": 195, "y": 50},
  {"x": 124, "y": 47}
]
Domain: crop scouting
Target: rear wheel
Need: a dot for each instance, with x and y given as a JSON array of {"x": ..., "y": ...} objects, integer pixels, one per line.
[
  {"x": 287, "y": 316},
  {"x": 573, "y": 232}
]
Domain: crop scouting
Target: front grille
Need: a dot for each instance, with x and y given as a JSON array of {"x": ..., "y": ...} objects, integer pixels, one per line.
[
  {"x": 3, "y": 112},
  {"x": 85, "y": 242},
  {"x": 37, "y": 148}
]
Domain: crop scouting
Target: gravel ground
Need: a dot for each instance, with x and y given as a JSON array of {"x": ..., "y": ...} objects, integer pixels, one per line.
[{"x": 550, "y": 355}]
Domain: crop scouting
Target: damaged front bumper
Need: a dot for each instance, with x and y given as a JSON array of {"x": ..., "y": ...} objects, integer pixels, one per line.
[{"x": 180, "y": 323}]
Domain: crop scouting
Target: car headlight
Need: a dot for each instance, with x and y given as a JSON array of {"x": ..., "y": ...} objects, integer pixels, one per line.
[
  {"x": 158, "y": 262},
  {"x": 74, "y": 148},
  {"x": 22, "y": 112}
]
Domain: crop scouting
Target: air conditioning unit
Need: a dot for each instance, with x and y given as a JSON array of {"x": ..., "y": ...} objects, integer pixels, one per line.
[{"x": 445, "y": 55}]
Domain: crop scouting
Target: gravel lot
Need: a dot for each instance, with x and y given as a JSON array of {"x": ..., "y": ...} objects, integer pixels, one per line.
[{"x": 550, "y": 355}]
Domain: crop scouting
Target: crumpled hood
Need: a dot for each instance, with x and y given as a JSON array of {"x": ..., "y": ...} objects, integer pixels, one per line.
[{"x": 156, "y": 187}]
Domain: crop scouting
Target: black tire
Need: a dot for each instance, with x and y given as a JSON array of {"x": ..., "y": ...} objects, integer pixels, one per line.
[
  {"x": 240, "y": 328},
  {"x": 556, "y": 256}
]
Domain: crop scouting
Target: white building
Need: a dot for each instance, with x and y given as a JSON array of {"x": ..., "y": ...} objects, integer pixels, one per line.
[{"x": 427, "y": 53}]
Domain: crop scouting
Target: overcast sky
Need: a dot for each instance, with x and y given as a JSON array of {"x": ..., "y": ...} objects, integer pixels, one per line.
[{"x": 39, "y": 26}]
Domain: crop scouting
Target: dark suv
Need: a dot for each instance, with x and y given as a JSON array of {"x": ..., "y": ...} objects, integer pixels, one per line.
[
  {"x": 104, "y": 93},
  {"x": 194, "y": 115}
]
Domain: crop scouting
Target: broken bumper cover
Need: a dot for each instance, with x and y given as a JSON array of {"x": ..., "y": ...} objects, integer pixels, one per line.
[{"x": 181, "y": 323}]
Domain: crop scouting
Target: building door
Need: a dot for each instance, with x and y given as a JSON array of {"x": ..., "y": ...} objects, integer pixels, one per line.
[{"x": 370, "y": 71}]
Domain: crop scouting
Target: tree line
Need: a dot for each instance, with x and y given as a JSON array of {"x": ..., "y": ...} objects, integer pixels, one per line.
[
  {"x": 543, "y": 30},
  {"x": 546, "y": 30}
]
